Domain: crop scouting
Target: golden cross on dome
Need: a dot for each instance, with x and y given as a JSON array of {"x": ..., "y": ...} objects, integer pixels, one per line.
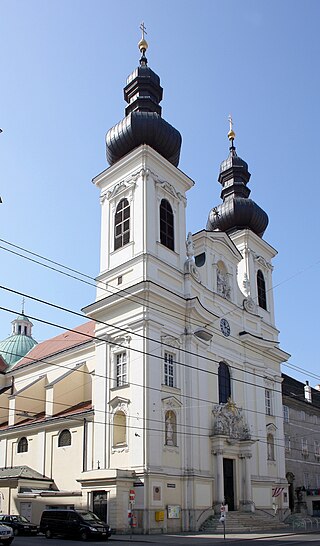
[
  {"x": 230, "y": 122},
  {"x": 143, "y": 30},
  {"x": 231, "y": 134},
  {"x": 143, "y": 44}
]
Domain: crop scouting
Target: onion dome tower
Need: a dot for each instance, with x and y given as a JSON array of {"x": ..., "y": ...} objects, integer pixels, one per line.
[
  {"x": 237, "y": 211},
  {"x": 143, "y": 123},
  {"x": 20, "y": 342}
]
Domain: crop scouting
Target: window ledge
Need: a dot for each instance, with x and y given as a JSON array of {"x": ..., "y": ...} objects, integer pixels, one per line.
[
  {"x": 171, "y": 449},
  {"x": 127, "y": 245},
  {"x": 120, "y": 387},
  {"x": 170, "y": 389},
  {"x": 174, "y": 252},
  {"x": 120, "y": 448}
]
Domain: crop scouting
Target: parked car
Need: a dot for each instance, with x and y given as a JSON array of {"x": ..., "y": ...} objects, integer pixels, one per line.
[
  {"x": 19, "y": 524},
  {"x": 73, "y": 524},
  {"x": 6, "y": 534}
]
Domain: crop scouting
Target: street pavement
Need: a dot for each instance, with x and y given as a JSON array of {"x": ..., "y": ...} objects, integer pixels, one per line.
[{"x": 197, "y": 539}]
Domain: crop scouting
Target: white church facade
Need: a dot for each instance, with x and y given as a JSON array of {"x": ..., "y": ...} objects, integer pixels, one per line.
[{"x": 173, "y": 388}]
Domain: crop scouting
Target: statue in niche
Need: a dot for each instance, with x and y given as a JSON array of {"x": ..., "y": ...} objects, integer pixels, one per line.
[
  {"x": 223, "y": 287},
  {"x": 170, "y": 428}
]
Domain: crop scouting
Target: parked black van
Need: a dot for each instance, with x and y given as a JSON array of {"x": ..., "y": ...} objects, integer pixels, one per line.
[{"x": 73, "y": 524}]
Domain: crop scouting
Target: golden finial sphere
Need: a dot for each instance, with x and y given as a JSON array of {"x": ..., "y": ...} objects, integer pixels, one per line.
[
  {"x": 231, "y": 134},
  {"x": 143, "y": 45}
]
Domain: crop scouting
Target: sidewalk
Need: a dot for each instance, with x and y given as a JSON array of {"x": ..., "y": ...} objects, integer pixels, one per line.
[{"x": 183, "y": 537}]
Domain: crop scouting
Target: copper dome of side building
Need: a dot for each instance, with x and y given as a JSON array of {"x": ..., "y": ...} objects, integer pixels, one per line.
[{"x": 18, "y": 345}]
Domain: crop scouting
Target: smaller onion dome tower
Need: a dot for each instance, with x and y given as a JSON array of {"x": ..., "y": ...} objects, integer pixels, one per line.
[
  {"x": 143, "y": 123},
  {"x": 16, "y": 346},
  {"x": 237, "y": 211}
]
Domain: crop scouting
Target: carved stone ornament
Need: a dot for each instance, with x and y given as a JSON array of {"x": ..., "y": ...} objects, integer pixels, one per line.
[
  {"x": 169, "y": 188},
  {"x": 171, "y": 403},
  {"x": 246, "y": 285},
  {"x": 250, "y": 306},
  {"x": 191, "y": 268},
  {"x": 262, "y": 261},
  {"x": 120, "y": 342},
  {"x": 121, "y": 187},
  {"x": 229, "y": 421},
  {"x": 189, "y": 265},
  {"x": 171, "y": 341}
]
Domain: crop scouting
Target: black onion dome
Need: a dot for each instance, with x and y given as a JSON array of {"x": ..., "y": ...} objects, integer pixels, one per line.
[
  {"x": 237, "y": 211},
  {"x": 143, "y": 123}
]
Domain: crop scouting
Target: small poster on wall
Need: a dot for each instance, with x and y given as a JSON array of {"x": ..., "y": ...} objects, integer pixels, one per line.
[{"x": 174, "y": 511}]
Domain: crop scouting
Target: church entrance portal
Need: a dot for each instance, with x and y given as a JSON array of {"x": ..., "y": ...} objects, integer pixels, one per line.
[{"x": 228, "y": 482}]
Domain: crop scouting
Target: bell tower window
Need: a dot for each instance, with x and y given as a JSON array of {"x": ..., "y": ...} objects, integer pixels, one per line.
[
  {"x": 122, "y": 224},
  {"x": 262, "y": 294},
  {"x": 166, "y": 224}
]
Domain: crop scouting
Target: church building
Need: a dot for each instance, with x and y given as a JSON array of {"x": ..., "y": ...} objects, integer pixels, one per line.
[{"x": 166, "y": 403}]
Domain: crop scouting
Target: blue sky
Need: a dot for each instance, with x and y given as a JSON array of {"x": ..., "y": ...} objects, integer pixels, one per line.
[{"x": 63, "y": 68}]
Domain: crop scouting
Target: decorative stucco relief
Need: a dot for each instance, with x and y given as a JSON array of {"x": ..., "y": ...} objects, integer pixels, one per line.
[{"x": 228, "y": 420}]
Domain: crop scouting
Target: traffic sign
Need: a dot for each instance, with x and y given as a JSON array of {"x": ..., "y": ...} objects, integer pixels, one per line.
[{"x": 132, "y": 495}]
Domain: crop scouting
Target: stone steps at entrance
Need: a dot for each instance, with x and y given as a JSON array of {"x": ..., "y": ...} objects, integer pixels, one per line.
[{"x": 238, "y": 522}]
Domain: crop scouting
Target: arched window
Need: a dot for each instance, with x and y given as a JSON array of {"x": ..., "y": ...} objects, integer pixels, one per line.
[
  {"x": 261, "y": 286},
  {"x": 23, "y": 445},
  {"x": 270, "y": 447},
  {"x": 64, "y": 438},
  {"x": 122, "y": 224},
  {"x": 170, "y": 428},
  {"x": 119, "y": 428},
  {"x": 166, "y": 225},
  {"x": 224, "y": 383}
]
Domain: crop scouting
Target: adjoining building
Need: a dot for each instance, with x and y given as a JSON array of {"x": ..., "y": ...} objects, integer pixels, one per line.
[
  {"x": 171, "y": 394},
  {"x": 301, "y": 414}
]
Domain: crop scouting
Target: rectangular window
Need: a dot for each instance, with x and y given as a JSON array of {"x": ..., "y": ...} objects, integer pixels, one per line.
[
  {"x": 268, "y": 401},
  {"x": 317, "y": 449},
  {"x": 317, "y": 481},
  {"x": 287, "y": 443},
  {"x": 306, "y": 480},
  {"x": 169, "y": 370},
  {"x": 302, "y": 415},
  {"x": 304, "y": 446},
  {"x": 286, "y": 414},
  {"x": 121, "y": 369}
]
